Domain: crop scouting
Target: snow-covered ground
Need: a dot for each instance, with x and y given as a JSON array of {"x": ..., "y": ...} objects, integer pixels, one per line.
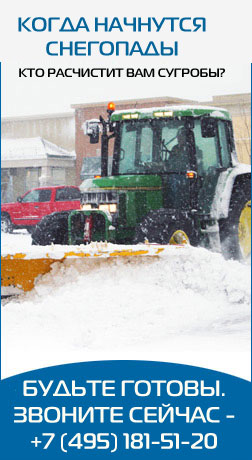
[{"x": 191, "y": 307}]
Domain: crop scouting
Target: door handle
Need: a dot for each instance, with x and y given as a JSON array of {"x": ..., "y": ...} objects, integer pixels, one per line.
[{"x": 36, "y": 207}]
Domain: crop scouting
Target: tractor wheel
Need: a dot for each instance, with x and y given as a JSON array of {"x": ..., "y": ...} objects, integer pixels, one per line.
[
  {"x": 165, "y": 231},
  {"x": 52, "y": 228},
  {"x": 6, "y": 224},
  {"x": 30, "y": 229},
  {"x": 236, "y": 230}
]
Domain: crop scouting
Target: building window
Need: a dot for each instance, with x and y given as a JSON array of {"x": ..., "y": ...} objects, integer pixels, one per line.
[
  {"x": 58, "y": 176},
  {"x": 32, "y": 178},
  {"x": 7, "y": 193}
]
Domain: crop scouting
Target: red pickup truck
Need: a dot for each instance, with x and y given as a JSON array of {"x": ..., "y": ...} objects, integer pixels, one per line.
[{"x": 37, "y": 203}]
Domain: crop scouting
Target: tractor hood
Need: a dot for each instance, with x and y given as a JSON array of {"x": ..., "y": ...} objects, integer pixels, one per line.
[{"x": 129, "y": 182}]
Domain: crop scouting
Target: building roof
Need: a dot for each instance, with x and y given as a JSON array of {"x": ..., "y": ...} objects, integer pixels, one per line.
[
  {"x": 134, "y": 102},
  {"x": 32, "y": 148},
  {"x": 42, "y": 116}
]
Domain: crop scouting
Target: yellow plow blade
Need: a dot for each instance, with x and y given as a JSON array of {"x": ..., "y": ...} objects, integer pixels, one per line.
[{"x": 19, "y": 271}]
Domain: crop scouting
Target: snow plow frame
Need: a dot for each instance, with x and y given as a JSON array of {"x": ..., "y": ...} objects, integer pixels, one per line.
[{"x": 19, "y": 271}]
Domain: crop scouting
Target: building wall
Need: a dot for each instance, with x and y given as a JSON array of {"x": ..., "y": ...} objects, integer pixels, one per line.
[
  {"x": 239, "y": 105},
  {"x": 56, "y": 128},
  {"x": 13, "y": 182},
  {"x": 242, "y": 132},
  {"x": 18, "y": 176},
  {"x": 26, "y": 175}
]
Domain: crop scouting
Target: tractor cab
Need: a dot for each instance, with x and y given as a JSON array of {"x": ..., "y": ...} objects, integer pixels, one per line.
[{"x": 186, "y": 147}]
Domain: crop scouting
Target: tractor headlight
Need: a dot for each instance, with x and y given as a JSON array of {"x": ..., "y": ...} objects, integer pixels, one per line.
[
  {"x": 111, "y": 207},
  {"x": 86, "y": 207}
]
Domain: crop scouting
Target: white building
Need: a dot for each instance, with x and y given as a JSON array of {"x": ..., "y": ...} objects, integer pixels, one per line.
[{"x": 33, "y": 162}]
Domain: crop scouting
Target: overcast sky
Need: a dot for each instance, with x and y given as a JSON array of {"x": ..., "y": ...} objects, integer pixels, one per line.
[{"x": 225, "y": 44}]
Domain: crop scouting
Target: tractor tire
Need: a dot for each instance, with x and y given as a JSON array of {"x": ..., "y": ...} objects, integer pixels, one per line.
[
  {"x": 30, "y": 229},
  {"x": 6, "y": 224},
  {"x": 165, "y": 229},
  {"x": 51, "y": 229},
  {"x": 235, "y": 231}
]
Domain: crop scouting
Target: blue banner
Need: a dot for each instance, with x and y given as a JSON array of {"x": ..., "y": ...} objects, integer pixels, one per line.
[{"x": 127, "y": 409}]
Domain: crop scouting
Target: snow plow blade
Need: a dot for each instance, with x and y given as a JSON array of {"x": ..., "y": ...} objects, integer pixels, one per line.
[{"x": 19, "y": 271}]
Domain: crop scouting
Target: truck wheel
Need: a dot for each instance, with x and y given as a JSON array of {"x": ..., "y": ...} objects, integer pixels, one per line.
[
  {"x": 236, "y": 230},
  {"x": 6, "y": 224},
  {"x": 166, "y": 232}
]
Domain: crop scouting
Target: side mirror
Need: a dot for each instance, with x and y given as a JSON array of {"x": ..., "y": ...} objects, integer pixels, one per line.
[
  {"x": 92, "y": 129},
  {"x": 208, "y": 127},
  {"x": 19, "y": 199}
]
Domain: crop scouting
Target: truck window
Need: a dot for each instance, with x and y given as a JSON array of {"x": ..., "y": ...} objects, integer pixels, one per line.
[
  {"x": 206, "y": 150},
  {"x": 67, "y": 194},
  {"x": 31, "y": 197},
  {"x": 45, "y": 195},
  {"x": 73, "y": 194},
  {"x": 224, "y": 144}
]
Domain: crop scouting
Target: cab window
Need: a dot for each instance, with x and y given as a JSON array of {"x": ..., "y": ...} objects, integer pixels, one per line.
[
  {"x": 224, "y": 144},
  {"x": 128, "y": 148},
  {"x": 146, "y": 144},
  {"x": 207, "y": 150}
]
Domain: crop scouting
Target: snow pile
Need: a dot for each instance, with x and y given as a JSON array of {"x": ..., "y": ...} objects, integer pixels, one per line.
[
  {"x": 19, "y": 240},
  {"x": 191, "y": 307}
]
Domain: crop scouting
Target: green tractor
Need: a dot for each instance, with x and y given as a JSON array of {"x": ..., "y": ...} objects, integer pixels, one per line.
[{"x": 175, "y": 178}]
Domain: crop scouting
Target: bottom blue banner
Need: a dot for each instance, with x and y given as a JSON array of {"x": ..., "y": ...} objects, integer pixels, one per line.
[{"x": 125, "y": 409}]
